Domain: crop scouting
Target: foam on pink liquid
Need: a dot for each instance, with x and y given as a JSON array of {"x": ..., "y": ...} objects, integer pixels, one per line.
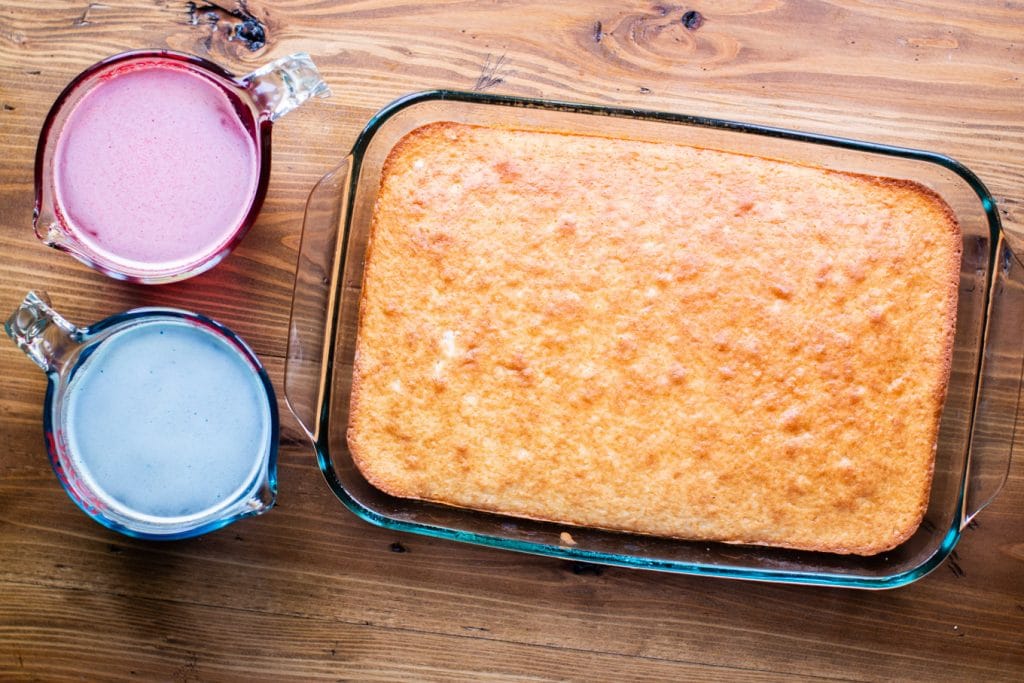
[{"x": 154, "y": 168}]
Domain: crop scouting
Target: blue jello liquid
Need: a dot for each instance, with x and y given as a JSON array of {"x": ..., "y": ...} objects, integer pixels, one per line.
[{"x": 166, "y": 419}]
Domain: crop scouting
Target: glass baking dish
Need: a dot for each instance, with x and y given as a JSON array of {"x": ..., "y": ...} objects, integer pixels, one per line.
[{"x": 978, "y": 419}]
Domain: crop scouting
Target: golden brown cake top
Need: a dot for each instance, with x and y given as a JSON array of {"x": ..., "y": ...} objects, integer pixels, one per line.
[{"x": 654, "y": 338}]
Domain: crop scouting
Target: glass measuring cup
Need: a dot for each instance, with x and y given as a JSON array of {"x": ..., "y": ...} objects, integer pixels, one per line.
[
  {"x": 159, "y": 423},
  {"x": 152, "y": 165}
]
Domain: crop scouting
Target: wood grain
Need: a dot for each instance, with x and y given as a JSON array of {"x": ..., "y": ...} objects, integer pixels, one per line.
[{"x": 309, "y": 591}]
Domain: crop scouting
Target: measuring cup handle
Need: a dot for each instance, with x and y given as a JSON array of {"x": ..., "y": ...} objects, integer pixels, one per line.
[
  {"x": 317, "y": 283},
  {"x": 997, "y": 413},
  {"x": 42, "y": 333},
  {"x": 284, "y": 84}
]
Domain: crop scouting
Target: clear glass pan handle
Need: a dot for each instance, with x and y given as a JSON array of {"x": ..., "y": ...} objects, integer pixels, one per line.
[
  {"x": 316, "y": 285},
  {"x": 997, "y": 413}
]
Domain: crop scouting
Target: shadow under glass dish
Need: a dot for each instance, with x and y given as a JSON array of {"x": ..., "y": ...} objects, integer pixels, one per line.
[{"x": 977, "y": 426}]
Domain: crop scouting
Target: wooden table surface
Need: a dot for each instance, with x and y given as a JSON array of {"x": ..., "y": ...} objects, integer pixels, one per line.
[{"x": 309, "y": 591}]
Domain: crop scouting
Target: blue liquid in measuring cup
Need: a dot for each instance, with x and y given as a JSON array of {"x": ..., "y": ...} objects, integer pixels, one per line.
[{"x": 166, "y": 419}]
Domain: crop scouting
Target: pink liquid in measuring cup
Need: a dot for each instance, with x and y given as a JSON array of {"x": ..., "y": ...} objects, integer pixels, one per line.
[{"x": 156, "y": 167}]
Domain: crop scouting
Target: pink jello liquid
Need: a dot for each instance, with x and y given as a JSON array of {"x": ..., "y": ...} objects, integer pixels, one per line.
[{"x": 155, "y": 168}]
